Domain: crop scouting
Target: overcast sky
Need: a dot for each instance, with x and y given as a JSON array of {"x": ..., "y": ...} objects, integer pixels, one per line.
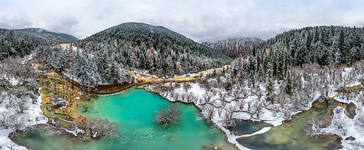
[{"x": 200, "y": 20}]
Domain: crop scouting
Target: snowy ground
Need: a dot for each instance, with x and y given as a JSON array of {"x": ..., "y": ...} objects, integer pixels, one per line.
[
  {"x": 345, "y": 127},
  {"x": 31, "y": 117},
  {"x": 350, "y": 130},
  {"x": 244, "y": 106},
  {"x": 19, "y": 107},
  {"x": 198, "y": 93}
]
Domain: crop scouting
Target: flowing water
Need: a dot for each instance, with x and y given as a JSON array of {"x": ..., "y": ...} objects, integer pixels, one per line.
[{"x": 133, "y": 111}]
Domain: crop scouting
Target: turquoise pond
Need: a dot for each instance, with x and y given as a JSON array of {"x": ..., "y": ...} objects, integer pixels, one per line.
[{"x": 134, "y": 111}]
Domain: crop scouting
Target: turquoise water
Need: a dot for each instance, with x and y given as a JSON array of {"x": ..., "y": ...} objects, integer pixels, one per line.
[{"x": 134, "y": 111}]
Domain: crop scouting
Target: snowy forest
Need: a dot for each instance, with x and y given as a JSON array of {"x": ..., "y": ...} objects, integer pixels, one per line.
[
  {"x": 283, "y": 77},
  {"x": 323, "y": 45},
  {"x": 19, "y": 89},
  {"x": 156, "y": 49},
  {"x": 109, "y": 56},
  {"x": 274, "y": 81},
  {"x": 14, "y": 43},
  {"x": 235, "y": 47}
]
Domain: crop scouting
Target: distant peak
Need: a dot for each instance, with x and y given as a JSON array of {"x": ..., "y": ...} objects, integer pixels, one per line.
[
  {"x": 235, "y": 47},
  {"x": 49, "y": 35}
]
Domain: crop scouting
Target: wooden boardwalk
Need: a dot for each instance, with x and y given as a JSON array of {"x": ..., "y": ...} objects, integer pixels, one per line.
[{"x": 101, "y": 89}]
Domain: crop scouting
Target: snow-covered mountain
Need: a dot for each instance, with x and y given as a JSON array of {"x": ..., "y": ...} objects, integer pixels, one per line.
[
  {"x": 48, "y": 35},
  {"x": 154, "y": 48},
  {"x": 234, "y": 47}
]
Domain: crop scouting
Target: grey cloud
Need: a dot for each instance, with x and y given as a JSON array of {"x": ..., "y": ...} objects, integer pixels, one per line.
[
  {"x": 14, "y": 22},
  {"x": 360, "y": 23},
  {"x": 65, "y": 25},
  {"x": 199, "y": 20}
]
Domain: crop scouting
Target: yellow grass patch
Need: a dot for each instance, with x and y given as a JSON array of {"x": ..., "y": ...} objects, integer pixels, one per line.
[{"x": 55, "y": 86}]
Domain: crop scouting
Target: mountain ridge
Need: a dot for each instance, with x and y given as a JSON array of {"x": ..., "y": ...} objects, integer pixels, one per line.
[
  {"x": 137, "y": 26},
  {"x": 49, "y": 35},
  {"x": 110, "y": 55},
  {"x": 235, "y": 47}
]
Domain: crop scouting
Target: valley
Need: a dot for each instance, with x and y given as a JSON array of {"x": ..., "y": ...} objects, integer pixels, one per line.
[{"x": 302, "y": 89}]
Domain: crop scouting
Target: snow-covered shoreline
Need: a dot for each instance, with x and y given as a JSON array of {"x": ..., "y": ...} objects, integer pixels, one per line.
[
  {"x": 20, "y": 104},
  {"x": 231, "y": 138},
  {"x": 269, "y": 113},
  {"x": 34, "y": 116}
]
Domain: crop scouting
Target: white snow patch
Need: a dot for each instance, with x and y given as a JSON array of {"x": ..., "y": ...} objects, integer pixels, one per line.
[
  {"x": 197, "y": 89},
  {"x": 33, "y": 116},
  {"x": 14, "y": 81}
]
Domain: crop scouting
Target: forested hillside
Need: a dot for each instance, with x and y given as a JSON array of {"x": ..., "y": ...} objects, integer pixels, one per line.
[
  {"x": 272, "y": 82},
  {"x": 235, "y": 47},
  {"x": 282, "y": 78},
  {"x": 108, "y": 56},
  {"x": 153, "y": 48},
  {"x": 323, "y": 45},
  {"x": 48, "y": 35},
  {"x": 14, "y": 43}
]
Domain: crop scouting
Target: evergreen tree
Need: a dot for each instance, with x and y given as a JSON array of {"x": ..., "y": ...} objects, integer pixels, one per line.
[
  {"x": 342, "y": 48},
  {"x": 269, "y": 89},
  {"x": 288, "y": 87},
  {"x": 308, "y": 40},
  {"x": 300, "y": 57}
]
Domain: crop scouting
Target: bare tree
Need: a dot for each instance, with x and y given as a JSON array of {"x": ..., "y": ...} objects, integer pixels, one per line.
[
  {"x": 337, "y": 121},
  {"x": 282, "y": 100},
  {"x": 259, "y": 108},
  {"x": 223, "y": 98},
  {"x": 167, "y": 116},
  {"x": 102, "y": 128},
  {"x": 287, "y": 112},
  {"x": 182, "y": 97},
  {"x": 3, "y": 120},
  {"x": 313, "y": 128},
  {"x": 187, "y": 86},
  {"x": 3, "y": 96},
  {"x": 50, "y": 131},
  {"x": 266, "y": 103},
  {"x": 242, "y": 104},
  {"x": 360, "y": 118},
  {"x": 227, "y": 118},
  {"x": 245, "y": 93},
  {"x": 231, "y": 110},
  {"x": 208, "y": 113},
  {"x": 219, "y": 111},
  {"x": 251, "y": 107},
  {"x": 207, "y": 97},
  {"x": 236, "y": 95},
  {"x": 14, "y": 122},
  {"x": 23, "y": 103},
  {"x": 11, "y": 145},
  {"x": 189, "y": 97}
]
